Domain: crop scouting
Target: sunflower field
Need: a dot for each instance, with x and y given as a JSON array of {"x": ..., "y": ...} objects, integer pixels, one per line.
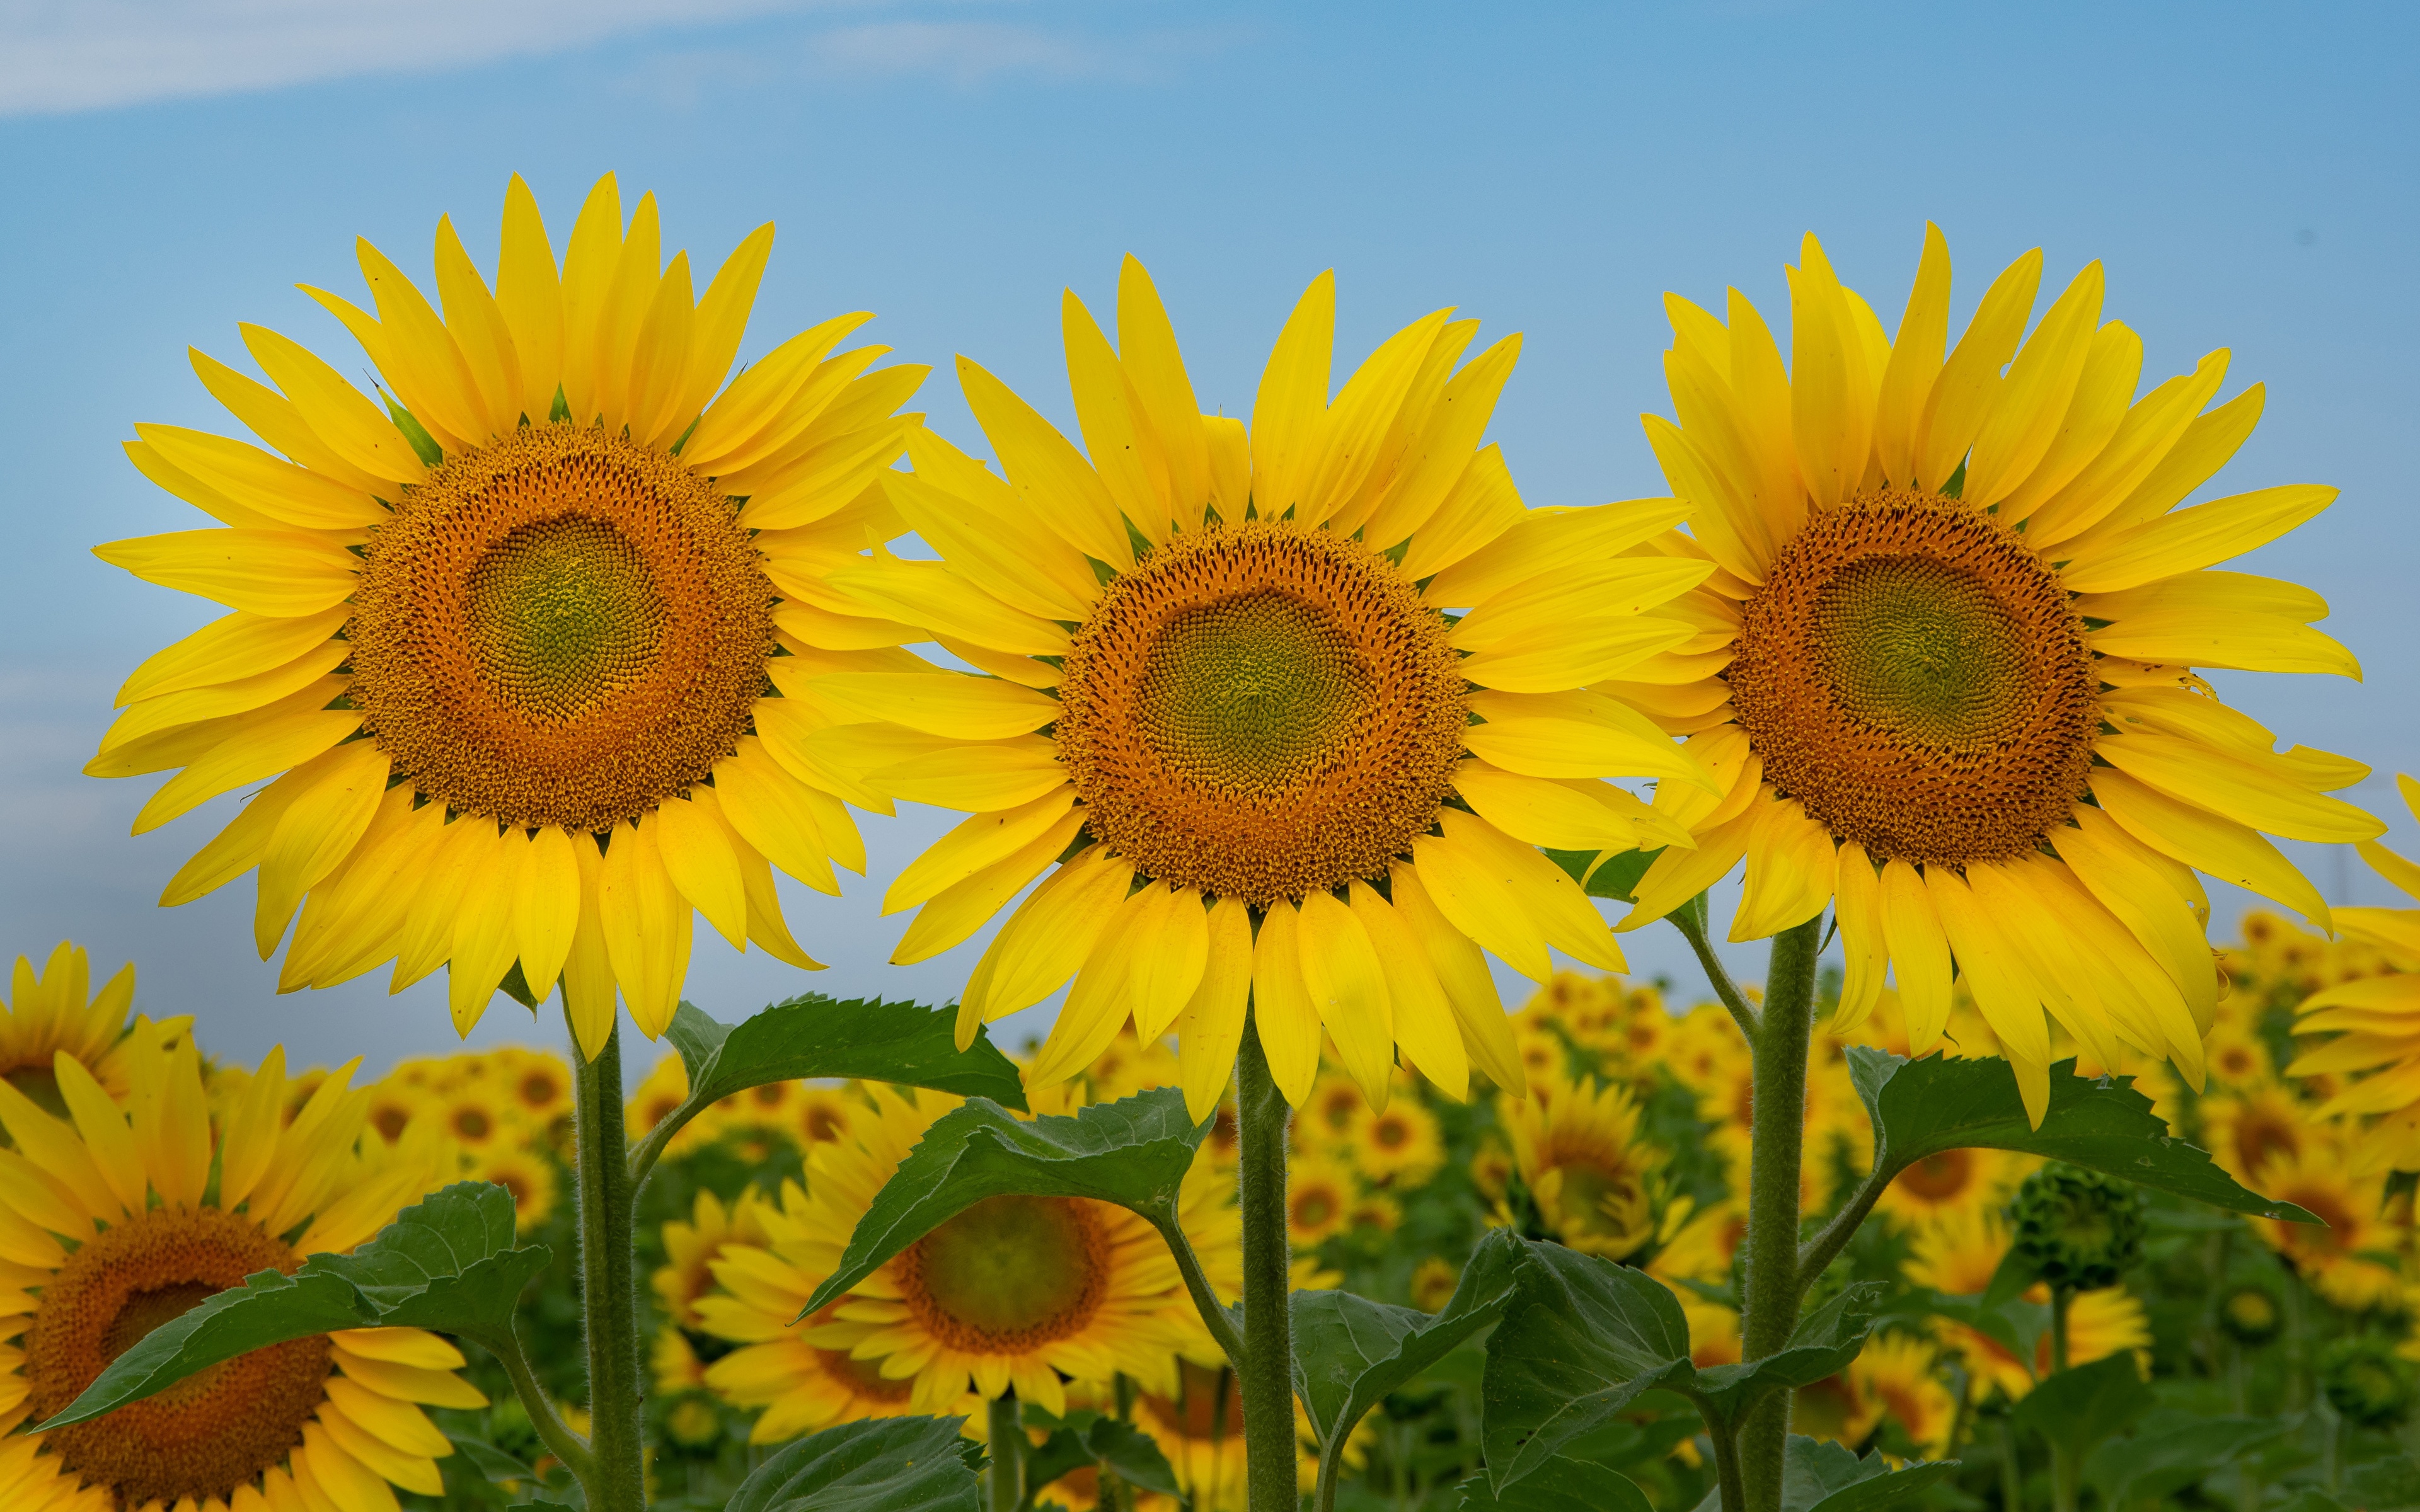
[{"x": 1282, "y": 743}]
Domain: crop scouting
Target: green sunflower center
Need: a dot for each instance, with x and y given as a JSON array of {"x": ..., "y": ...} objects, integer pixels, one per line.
[
  {"x": 1913, "y": 674},
  {"x": 1009, "y": 1274},
  {"x": 563, "y": 614},
  {"x": 1261, "y": 712},
  {"x": 562, "y": 628}
]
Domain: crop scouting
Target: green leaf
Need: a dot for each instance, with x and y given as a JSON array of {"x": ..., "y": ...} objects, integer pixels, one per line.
[
  {"x": 1129, "y": 1452},
  {"x": 1559, "y": 1485},
  {"x": 447, "y": 1263},
  {"x": 813, "y": 1036},
  {"x": 2076, "y": 1409},
  {"x": 887, "y": 1464},
  {"x": 1350, "y": 1352},
  {"x": 490, "y": 1461},
  {"x": 1133, "y": 1152},
  {"x": 1607, "y": 874},
  {"x": 1924, "y": 1107},
  {"x": 2169, "y": 1455},
  {"x": 1817, "y": 1475},
  {"x": 1583, "y": 1338}
]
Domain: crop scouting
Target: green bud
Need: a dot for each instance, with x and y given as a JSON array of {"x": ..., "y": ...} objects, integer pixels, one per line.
[
  {"x": 693, "y": 1423},
  {"x": 2079, "y": 1229},
  {"x": 2251, "y": 1315},
  {"x": 2365, "y": 1382}
]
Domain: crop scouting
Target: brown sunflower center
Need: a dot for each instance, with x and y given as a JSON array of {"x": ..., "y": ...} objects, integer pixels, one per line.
[
  {"x": 1208, "y": 1405},
  {"x": 1261, "y": 712},
  {"x": 562, "y": 628},
  {"x": 1939, "y": 1177},
  {"x": 1913, "y": 674},
  {"x": 211, "y": 1431},
  {"x": 1009, "y": 1274}
]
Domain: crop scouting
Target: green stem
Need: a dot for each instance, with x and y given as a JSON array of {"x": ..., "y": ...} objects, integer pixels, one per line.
[
  {"x": 553, "y": 1431},
  {"x": 1690, "y": 920},
  {"x": 1005, "y": 1483},
  {"x": 1267, "y": 1374},
  {"x": 1727, "y": 1483},
  {"x": 1197, "y": 1286},
  {"x": 2064, "y": 1473},
  {"x": 1769, "y": 1310},
  {"x": 609, "y": 1281},
  {"x": 2012, "y": 1479}
]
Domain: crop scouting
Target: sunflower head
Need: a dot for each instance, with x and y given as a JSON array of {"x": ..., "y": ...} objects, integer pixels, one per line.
[
  {"x": 1275, "y": 711},
  {"x": 2080, "y": 1229},
  {"x": 2250, "y": 1314},
  {"x": 1959, "y": 704},
  {"x": 505, "y": 637},
  {"x": 2366, "y": 1382}
]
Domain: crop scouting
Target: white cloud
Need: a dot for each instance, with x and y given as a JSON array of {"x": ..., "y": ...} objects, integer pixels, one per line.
[
  {"x": 971, "y": 51},
  {"x": 60, "y": 55}
]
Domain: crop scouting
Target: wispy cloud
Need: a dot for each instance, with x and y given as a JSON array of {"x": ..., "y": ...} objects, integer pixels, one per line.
[
  {"x": 58, "y": 55},
  {"x": 971, "y": 52}
]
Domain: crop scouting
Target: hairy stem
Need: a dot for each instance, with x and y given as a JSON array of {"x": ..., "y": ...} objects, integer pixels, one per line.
[
  {"x": 2065, "y": 1474},
  {"x": 609, "y": 1291},
  {"x": 1267, "y": 1374},
  {"x": 553, "y": 1430},
  {"x": 1769, "y": 1310},
  {"x": 1690, "y": 920},
  {"x": 1197, "y": 1286}
]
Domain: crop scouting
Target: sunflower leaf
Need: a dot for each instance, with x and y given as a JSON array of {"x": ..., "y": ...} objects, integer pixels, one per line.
[
  {"x": 1559, "y": 1485},
  {"x": 446, "y": 1263},
  {"x": 2076, "y": 1409},
  {"x": 814, "y": 1036},
  {"x": 1350, "y": 1352},
  {"x": 1134, "y": 1153},
  {"x": 1925, "y": 1107},
  {"x": 1583, "y": 1338},
  {"x": 890, "y": 1464}
]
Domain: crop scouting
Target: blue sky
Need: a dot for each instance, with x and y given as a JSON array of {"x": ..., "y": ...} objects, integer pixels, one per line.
[{"x": 2245, "y": 173}]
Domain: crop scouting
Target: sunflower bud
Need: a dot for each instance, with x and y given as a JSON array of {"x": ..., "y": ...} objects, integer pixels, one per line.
[
  {"x": 2080, "y": 1229},
  {"x": 2250, "y": 1315},
  {"x": 2365, "y": 1382}
]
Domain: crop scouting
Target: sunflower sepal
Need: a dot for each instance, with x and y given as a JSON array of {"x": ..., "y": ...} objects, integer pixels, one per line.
[
  {"x": 1607, "y": 873},
  {"x": 1584, "y": 1338},
  {"x": 811, "y": 1037},
  {"x": 900, "y": 1464},
  {"x": 1133, "y": 1153},
  {"x": 447, "y": 1263},
  {"x": 1342, "y": 1368}
]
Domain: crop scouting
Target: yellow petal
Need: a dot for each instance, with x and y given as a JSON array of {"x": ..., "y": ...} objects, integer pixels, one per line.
[
  {"x": 1914, "y": 360},
  {"x": 1563, "y": 815},
  {"x": 1347, "y": 988},
  {"x": 1047, "y": 939},
  {"x": 428, "y": 371},
  {"x": 321, "y": 825},
  {"x": 1543, "y": 890},
  {"x": 2135, "y": 885},
  {"x": 2094, "y": 416},
  {"x": 1576, "y": 735},
  {"x": 108, "y": 1138},
  {"x": 1919, "y": 953},
  {"x": 194, "y": 706},
  {"x": 701, "y": 864},
  {"x": 2236, "y": 788},
  {"x": 1791, "y": 861},
  {"x": 1052, "y": 478},
  {"x": 293, "y": 498},
  {"x": 2198, "y": 537},
  {"x": 1095, "y": 1008},
  {"x": 275, "y": 418},
  {"x": 736, "y": 424},
  {"x": 1857, "y": 909},
  {"x": 529, "y": 296},
  {"x": 172, "y": 1126},
  {"x": 774, "y": 813},
  {"x": 1171, "y": 949},
  {"x": 1831, "y": 394},
  {"x": 338, "y": 414},
  {"x": 975, "y": 777},
  {"x": 1480, "y": 506},
  {"x": 1479, "y": 905},
  {"x": 1121, "y": 446},
  {"x": 274, "y": 573},
  {"x": 2033, "y": 399},
  {"x": 408, "y": 1383},
  {"x": 1443, "y": 467},
  {"x": 941, "y": 703},
  {"x": 228, "y": 649},
  {"x": 722, "y": 320},
  {"x": 1211, "y": 1028},
  {"x": 588, "y": 971},
  {"x": 2199, "y": 453},
  {"x": 2147, "y": 434},
  {"x": 2207, "y": 843},
  {"x": 546, "y": 907},
  {"x": 930, "y": 594},
  {"x": 483, "y": 928},
  {"x": 647, "y": 925},
  {"x": 1469, "y": 986},
  {"x": 248, "y": 1141},
  {"x": 1282, "y": 1014},
  {"x": 479, "y": 329},
  {"x": 2226, "y": 637},
  {"x": 980, "y": 841},
  {"x": 1677, "y": 875},
  {"x": 1994, "y": 970},
  {"x": 273, "y": 746},
  {"x": 1424, "y": 1020},
  {"x": 954, "y": 913},
  {"x": 238, "y": 848},
  {"x": 1969, "y": 385}
]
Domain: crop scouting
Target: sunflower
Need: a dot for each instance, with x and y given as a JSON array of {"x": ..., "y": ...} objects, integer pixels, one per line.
[
  {"x": 1320, "y": 1197},
  {"x": 512, "y": 645},
  {"x": 1579, "y": 1151},
  {"x": 824, "y": 1113},
  {"x": 1954, "y": 1178},
  {"x": 1228, "y": 715},
  {"x": 1022, "y": 1293},
  {"x": 1198, "y": 1424},
  {"x": 537, "y": 1082},
  {"x": 691, "y": 1248},
  {"x": 1398, "y": 1146},
  {"x": 2251, "y": 1127},
  {"x": 673, "y": 1362},
  {"x": 2348, "y": 1257},
  {"x": 1957, "y": 701},
  {"x": 47, "y": 1015},
  {"x": 392, "y": 1107},
  {"x": 112, "y": 1223},
  {"x": 1900, "y": 1375},
  {"x": 1957, "y": 1254},
  {"x": 529, "y": 1176},
  {"x": 474, "y": 1117}
]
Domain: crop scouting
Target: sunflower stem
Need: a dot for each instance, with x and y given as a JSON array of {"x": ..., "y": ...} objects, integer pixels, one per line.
[
  {"x": 609, "y": 1291},
  {"x": 1197, "y": 1286},
  {"x": 1004, "y": 1484},
  {"x": 2064, "y": 1471},
  {"x": 1690, "y": 920},
  {"x": 1267, "y": 1374},
  {"x": 1769, "y": 1311},
  {"x": 553, "y": 1430}
]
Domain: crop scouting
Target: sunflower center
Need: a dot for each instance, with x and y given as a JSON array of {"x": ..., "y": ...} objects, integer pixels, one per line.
[
  {"x": 562, "y": 628},
  {"x": 1939, "y": 1177},
  {"x": 1602, "y": 1202},
  {"x": 209, "y": 1432},
  {"x": 1261, "y": 712},
  {"x": 1009, "y": 1274},
  {"x": 1208, "y": 1405},
  {"x": 1913, "y": 675}
]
